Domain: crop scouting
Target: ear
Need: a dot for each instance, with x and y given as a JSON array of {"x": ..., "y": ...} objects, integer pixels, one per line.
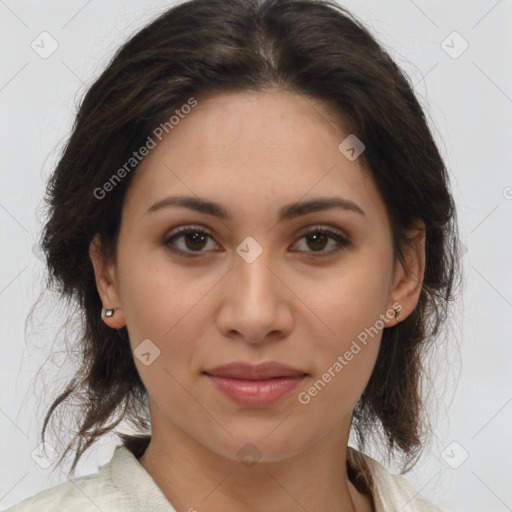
[
  {"x": 106, "y": 284},
  {"x": 408, "y": 278}
]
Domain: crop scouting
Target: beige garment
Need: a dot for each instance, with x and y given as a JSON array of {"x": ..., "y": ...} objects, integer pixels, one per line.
[{"x": 124, "y": 485}]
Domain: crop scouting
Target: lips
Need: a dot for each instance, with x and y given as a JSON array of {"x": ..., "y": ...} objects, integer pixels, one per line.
[
  {"x": 263, "y": 371},
  {"x": 250, "y": 385}
]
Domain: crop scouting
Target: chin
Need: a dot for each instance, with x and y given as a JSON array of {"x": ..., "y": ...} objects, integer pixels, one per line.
[{"x": 250, "y": 444}]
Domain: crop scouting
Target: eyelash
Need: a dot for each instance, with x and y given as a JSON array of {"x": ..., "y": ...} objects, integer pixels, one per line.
[{"x": 339, "y": 239}]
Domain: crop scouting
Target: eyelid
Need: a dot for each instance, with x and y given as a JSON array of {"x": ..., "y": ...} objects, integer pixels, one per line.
[
  {"x": 175, "y": 233},
  {"x": 322, "y": 228},
  {"x": 342, "y": 240}
]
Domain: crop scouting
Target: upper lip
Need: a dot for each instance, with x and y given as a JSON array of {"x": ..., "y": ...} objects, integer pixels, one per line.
[{"x": 248, "y": 371}]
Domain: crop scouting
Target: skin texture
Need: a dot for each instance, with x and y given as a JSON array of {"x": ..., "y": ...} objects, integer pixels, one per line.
[{"x": 254, "y": 152}]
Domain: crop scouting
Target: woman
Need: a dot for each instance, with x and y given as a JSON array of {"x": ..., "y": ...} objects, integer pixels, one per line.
[{"x": 255, "y": 222}]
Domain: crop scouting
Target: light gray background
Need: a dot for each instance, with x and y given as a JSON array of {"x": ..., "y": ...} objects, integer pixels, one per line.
[{"x": 469, "y": 104}]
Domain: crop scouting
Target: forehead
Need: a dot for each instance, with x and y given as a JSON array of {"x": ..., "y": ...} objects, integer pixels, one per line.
[{"x": 237, "y": 148}]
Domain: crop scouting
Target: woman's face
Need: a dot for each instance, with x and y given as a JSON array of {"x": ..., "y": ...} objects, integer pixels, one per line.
[{"x": 257, "y": 286}]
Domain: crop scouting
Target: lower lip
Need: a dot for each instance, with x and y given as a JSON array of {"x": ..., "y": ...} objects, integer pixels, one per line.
[{"x": 255, "y": 393}]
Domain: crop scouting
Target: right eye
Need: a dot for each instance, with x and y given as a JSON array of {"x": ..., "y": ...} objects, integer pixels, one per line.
[{"x": 187, "y": 240}]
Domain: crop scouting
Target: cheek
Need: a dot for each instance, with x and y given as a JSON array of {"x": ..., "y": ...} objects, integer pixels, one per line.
[
  {"x": 343, "y": 365},
  {"x": 351, "y": 308},
  {"x": 351, "y": 300},
  {"x": 161, "y": 312},
  {"x": 156, "y": 300},
  {"x": 169, "y": 322}
]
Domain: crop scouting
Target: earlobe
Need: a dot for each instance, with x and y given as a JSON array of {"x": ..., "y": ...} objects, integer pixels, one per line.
[
  {"x": 113, "y": 317},
  {"x": 112, "y": 313},
  {"x": 409, "y": 274}
]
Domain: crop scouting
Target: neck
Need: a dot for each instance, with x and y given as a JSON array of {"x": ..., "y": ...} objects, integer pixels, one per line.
[{"x": 192, "y": 477}]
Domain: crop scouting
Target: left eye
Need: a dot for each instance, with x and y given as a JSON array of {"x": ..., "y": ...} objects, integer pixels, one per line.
[
  {"x": 319, "y": 239},
  {"x": 194, "y": 240}
]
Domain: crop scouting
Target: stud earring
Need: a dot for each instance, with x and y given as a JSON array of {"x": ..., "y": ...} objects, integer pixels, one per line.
[{"x": 109, "y": 313}]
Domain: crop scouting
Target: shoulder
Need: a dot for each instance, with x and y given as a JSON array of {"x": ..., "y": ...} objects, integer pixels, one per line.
[
  {"x": 85, "y": 493},
  {"x": 390, "y": 491},
  {"x": 121, "y": 484}
]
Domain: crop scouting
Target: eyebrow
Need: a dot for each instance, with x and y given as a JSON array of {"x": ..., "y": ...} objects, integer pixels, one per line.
[{"x": 288, "y": 212}]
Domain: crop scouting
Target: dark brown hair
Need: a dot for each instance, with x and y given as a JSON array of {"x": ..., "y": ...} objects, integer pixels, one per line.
[{"x": 311, "y": 47}]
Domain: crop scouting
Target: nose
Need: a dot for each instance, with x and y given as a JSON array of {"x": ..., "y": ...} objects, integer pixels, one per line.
[{"x": 256, "y": 304}]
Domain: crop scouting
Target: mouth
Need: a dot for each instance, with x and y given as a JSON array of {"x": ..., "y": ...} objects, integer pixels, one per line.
[{"x": 255, "y": 386}]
